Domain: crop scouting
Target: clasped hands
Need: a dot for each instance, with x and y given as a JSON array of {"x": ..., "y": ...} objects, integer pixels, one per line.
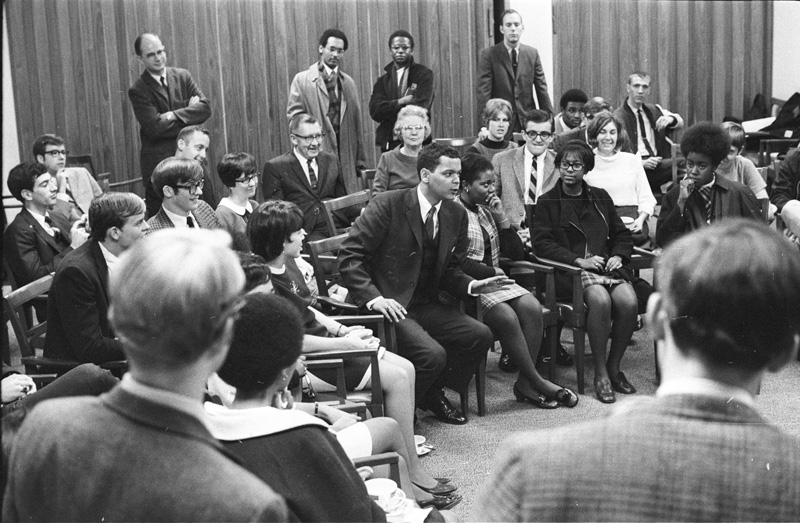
[{"x": 598, "y": 264}]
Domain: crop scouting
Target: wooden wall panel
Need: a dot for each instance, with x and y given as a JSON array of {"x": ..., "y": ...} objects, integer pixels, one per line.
[
  {"x": 72, "y": 62},
  {"x": 707, "y": 59}
]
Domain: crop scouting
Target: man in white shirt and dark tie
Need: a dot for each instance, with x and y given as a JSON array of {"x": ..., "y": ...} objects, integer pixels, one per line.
[{"x": 179, "y": 182}]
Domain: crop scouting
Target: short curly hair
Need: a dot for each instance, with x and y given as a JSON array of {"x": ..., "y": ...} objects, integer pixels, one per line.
[
  {"x": 708, "y": 139},
  {"x": 580, "y": 149}
]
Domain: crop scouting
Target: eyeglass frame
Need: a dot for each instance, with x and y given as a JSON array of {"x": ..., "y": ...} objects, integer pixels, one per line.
[
  {"x": 192, "y": 188},
  {"x": 248, "y": 178},
  {"x": 566, "y": 166},
  {"x": 410, "y": 128},
  {"x": 533, "y": 135},
  {"x": 310, "y": 138},
  {"x": 57, "y": 152}
]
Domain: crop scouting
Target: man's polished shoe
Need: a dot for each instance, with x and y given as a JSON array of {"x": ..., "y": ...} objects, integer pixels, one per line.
[
  {"x": 442, "y": 409},
  {"x": 505, "y": 364},
  {"x": 441, "y": 502},
  {"x": 621, "y": 384},
  {"x": 604, "y": 392}
]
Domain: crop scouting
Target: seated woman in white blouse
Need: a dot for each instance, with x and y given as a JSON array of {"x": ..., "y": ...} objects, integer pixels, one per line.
[
  {"x": 238, "y": 172},
  {"x": 621, "y": 175}
]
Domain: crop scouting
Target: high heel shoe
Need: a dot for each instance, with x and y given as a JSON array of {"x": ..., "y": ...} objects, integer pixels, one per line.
[
  {"x": 441, "y": 489},
  {"x": 538, "y": 400}
]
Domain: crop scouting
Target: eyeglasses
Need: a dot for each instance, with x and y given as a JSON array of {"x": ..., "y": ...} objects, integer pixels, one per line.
[
  {"x": 310, "y": 137},
  {"x": 575, "y": 166},
  {"x": 404, "y": 48},
  {"x": 57, "y": 152},
  {"x": 543, "y": 135},
  {"x": 410, "y": 128},
  {"x": 247, "y": 178},
  {"x": 192, "y": 188}
]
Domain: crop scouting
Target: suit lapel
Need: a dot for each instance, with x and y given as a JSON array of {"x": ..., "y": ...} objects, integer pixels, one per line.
[
  {"x": 519, "y": 170},
  {"x": 413, "y": 215},
  {"x": 49, "y": 240},
  {"x": 102, "y": 268},
  {"x": 447, "y": 234},
  {"x": 505, "y": 59},
  {"x": 549, "y": 171},
  {"x": 300, "y": 174},
  {"x": 156, "y": 86}
]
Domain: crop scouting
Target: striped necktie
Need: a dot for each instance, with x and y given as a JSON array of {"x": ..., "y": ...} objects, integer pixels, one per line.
[
  {"x": 705, "y": 193},
  {"x": 532, "y": 188}
]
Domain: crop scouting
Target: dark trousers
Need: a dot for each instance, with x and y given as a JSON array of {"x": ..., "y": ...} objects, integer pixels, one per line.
[
  {"x": 444, "y": 344},
  {"x": 660, "y": 175}
]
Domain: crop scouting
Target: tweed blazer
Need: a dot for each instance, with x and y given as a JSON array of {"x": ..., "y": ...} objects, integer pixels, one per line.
[
  {"x": 30, "y": 252},
  {"x": 509, "y": 179},
  {"x": 82, "y": 186},
  {"x": 121, "y": 457},
  {"x": 308, "y": 94},
  {"x": 672, "y": 458},
  {"x": 204, "y": 214}
]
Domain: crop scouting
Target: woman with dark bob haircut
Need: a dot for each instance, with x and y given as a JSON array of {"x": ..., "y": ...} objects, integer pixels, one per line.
[
  {"x": 238, "y": 172},
  {"x": 578, "y": 225}
]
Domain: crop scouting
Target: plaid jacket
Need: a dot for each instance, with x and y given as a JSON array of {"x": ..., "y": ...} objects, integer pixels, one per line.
[{"x": 204, "y": 216}]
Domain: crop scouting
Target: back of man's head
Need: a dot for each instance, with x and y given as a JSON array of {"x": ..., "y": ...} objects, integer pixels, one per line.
[
  {"x": 595, "y": 105},
  {"x": 731, "y": 295},
  {"x": 111, "y": 209},
  {"x": 172, "y": 296}
]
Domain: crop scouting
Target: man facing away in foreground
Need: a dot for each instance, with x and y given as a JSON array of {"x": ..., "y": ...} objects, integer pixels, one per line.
[{"x": 698, "y": 450}]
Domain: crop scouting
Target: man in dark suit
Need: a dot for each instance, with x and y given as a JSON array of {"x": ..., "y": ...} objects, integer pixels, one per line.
[
  {"x": 698, "y": 450},
  {"x": 165, "y": 100},
  {"x": 179, "y": 182},
  {"x": 142, "y": 452},
  {"x": 512, "y": 71},
  {"x": 77, "y": 305},
  {"x": 407, "y": 246},
  {"x": 34, "y": 244},
  {"x": 306, "y": 176},
  {"x": 405, "y": 83}
]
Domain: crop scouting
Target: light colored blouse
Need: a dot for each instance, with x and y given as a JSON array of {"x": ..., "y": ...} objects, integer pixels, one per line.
[{"x": 623, "y": 177}]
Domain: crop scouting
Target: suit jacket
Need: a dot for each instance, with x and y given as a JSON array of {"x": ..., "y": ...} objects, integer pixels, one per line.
[
  {"x": 652, "y": 113},
  {"x": 204, "y": 215},
  {"x": 672, "y": 458},
  {"x": 121, "y": 457},
  {"x": 82, "y": 186},
  {"x": 284, "y": 179},
  {"x": 30, "y": 252},
  {"x": 509, "y": 176},
  {"x": 382, "y": 256},
  {"x": 77, "y": 310},
  {"x": 383, "y": 106},
  {"x": 308, "y": 94},
  {"x": 728, "y": 199},
  {"x": 496, "y": 80}
]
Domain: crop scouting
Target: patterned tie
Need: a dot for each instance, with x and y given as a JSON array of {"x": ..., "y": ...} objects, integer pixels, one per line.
[
  {"x": 429, "y": 228},
  {"x": 312, "y": 176},
  {"x": 190, "y": 222},
  {"x": 532, "y": 188},
  {"x": 705, "y": 192},
  {"x": 514, "y": 62},
  {"x": 644, "y": 133}
]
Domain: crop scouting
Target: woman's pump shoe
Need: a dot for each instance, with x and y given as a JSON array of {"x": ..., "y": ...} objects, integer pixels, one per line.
[
  {"x": 538, "y": 400},
  {"x": 441, "y": 489},
  {"x": 565, "y": 397},
  {"x": 441, "y": 502},
  {"x": 604, "y": 392}
]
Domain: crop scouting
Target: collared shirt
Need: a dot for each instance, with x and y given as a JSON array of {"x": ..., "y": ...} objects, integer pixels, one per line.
[
  {"x": 41, "y": 219},
  {"x": 110, "y": 257},
  {"x": 539, "y": 171},
  {"x": 164, "y": 397},
  {"x": 179, "y": 221},
  {"x": 705, "y": 387},
  {"x": 329, "y": 72},
  {"x": 238, "y": 209},
  {"x": 509, "y": 48},
  {"x": 646, "y": 133},
  {"x": 400, "y": 71},
  {"x": 304, "y": 164},
  {"x": 158, "y": 77}
]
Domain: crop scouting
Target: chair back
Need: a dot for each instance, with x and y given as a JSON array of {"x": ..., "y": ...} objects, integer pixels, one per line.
[
  {"x": 29, "y": 336},
  {"x": 83, "y": 160},
  {"x": 324, "y": 255},
  {"x": 774, "y": 147},
  {"x": 369, "y": 179},
  {"x": 357, "y": 199}
]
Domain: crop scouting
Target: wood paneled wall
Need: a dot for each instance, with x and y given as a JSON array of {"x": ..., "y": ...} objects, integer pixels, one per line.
[
  {"x": 707, "y": 59},
  {"x": 73, "y": 61}
]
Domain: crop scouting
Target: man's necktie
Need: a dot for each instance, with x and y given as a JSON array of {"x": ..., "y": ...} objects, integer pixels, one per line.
[
  {"x": 532, "y": 188},
  {"x": 429, "y": 228},
  {"x": 190, "y": 222},
  {"x": 514, "y": 62},
  {"x": 705, "y": 192},
  {"x": 644, "y": 133},
  {"x": 56, "y": 232},
  {"x": 164, "y": 85},
  {"x": 312, "y": 176}
]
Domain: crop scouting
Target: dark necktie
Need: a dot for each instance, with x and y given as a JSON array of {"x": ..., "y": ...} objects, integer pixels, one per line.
[
  {"x": 644, "y": 133},
  {"x": 164, "y": 85},
  {"x": 312, "y": 176},
  {"x": 429, "y": 228},
  {"x": 190, "y": 222},
  {"x": 705, "y": 192},
  {"x": 56, "y": 232},
  {"x": 246, "y": 216},
  {"x": 514, "y": 62},
  {"x": 532, "y": 188}
]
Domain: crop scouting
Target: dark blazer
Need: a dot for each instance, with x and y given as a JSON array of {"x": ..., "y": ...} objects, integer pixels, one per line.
[
  {"x": 383, "y": 106},
  {"x": 786, "y": 186},
  {"x": 496, "y": 80},
  {"x": 382, "y": 256},
  {"x": 652, "y": 113},
  {"x": 204, "y": 215},
  {"x": 150, "y": 103},
  {"x": 77, "y": 309},
  {"x": 31, "y": 253},
  {"x": 672, "y": 458},
  {"x": 284, "y": 179},
  {"x": 728, "y": 199},
  {"x": 121, "y": 457}
]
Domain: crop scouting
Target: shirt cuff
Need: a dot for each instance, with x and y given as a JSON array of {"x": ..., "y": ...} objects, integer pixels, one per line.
[
  {"x": 371, "y": 302},
  {"x": 469, "y": 289}
]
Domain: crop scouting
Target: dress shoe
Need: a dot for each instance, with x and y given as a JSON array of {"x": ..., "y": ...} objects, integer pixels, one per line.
[
  {"x": 562, "y": 357},
  {"x": 441, "y": 502},
  {"x": 621, "y": 384},
  {"x": 441, "y": 489},
  {"x": 604, "y": 392},
  {"x": 538, "y": 400},
  {"x": 442, "y": 480},
  {"x": 505, "y": 364},
  {"x": 565, "y": 397},
  {"x": 442, "y": 409}
]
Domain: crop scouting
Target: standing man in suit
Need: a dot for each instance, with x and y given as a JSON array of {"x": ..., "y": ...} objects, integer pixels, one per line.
[
  {"x": 165, "y": 100},
  {"x": 409, "y": 244},
  {"x": 330, "y": 95},
  {"x": 179, "y": 183},
  {"x": 648, "y": 127},
  {"x": 306, "y": 176},
  {"x": 77, "y": 305},
  {"x": 142, "y": 452},
  {"x": 698, "y": 450},
  {"x": 512, "y": 71},
  {"x": 34, "y": 244},
  {"x": 405, "y": 83},
  {"x": 192, "y": 143}
]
